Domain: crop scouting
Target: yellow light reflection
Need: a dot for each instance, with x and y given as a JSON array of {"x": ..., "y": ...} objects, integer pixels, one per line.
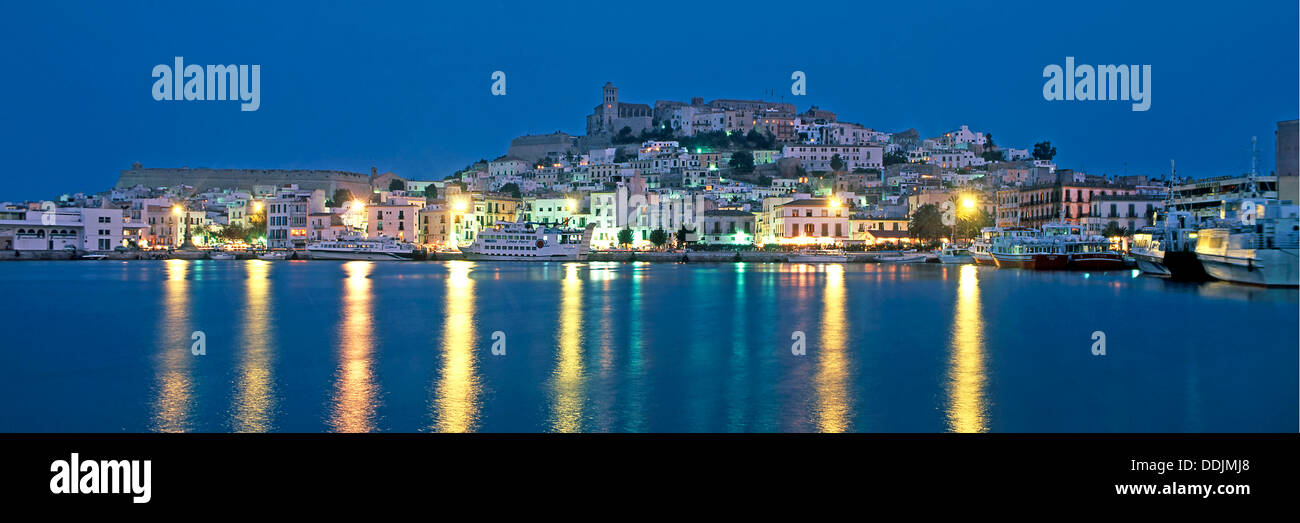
[
  {"x": 967, "y": 409},
  {"x": 457, "y": 392},
  {"x": 254, "y": 403},
  {"x": 355, "y": 390},
  {"x": 567, "y": 379},
  {"x": 833, "y": 397},
  {"x": 175, "y": 385}
]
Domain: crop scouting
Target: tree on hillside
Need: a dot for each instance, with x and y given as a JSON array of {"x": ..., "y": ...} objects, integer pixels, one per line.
[
  {"x": 1044, "y": 151},
  {"x": 396, "y": 185},
  {"x": 341, "y": 196},
  {"x": 512, "y": 189},
  {"x": 431, "y": 191},
  {"x": 894, "y": 158},
  {"x": 742, "y": 161},
  {"x": 837, "y": 163}
]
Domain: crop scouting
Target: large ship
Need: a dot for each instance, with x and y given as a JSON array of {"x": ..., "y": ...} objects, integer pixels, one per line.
[
  {"x": 353, "y": 247},
  {"x": 526, "y": 241},
  {"x": 1059, "y": 246},
  {"x": 1261, "y": 250}
]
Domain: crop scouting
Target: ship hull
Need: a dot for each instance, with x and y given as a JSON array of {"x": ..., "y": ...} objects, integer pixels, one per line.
[
  {"x": 539, "y": 258},
  {"x": 1269, "y": 267},
  {"x": 1014, "y": 261},
  {"x": 982, "y": 258},
  {"x": 1050, "y": 262},
  {"x": 1184, "y": 265},
  {"x": 1096, "y": 261},
  {"x": 1152, "y": 263},
  {"x": 359, "y": 256}
]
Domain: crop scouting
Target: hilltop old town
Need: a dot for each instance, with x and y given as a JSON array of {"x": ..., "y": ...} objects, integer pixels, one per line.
[{"x": 716, "y": 175}]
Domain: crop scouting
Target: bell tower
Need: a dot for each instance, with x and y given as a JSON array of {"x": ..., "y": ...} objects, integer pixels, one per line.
[{"x": 610, "y": 110}]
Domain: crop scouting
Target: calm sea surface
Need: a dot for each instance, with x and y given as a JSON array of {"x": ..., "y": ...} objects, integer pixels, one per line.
[{"x": 361, "y": 346}]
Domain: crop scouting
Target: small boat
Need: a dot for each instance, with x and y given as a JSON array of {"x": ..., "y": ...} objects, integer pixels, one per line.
[
  {"x": 952, "y": 254},
  {"x": 221, "y": 255},
  {"x": 819, "y": 256},
  {"x": 94, "y": 256},
  {"x": 273, "y": 255},
  {"x": 903, "y": 257}
]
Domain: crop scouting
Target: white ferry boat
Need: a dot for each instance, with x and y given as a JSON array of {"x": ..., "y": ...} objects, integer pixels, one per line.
[
  {"x": 526, "y": 241},
  {"x": 982, "y": 249},
  {"x": 361, "y": 248},
  {"x": 818, "y": 256},
  {"x": 1263, "y": 253}
]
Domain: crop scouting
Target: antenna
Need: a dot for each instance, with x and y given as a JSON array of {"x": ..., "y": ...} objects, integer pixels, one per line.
[
  {"x": 1254, "y": 154},
  {"x": 1254, "y": 160}
]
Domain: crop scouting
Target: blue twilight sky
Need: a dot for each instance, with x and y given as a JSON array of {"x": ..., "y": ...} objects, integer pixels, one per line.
[{"x": 405, "y": 87}]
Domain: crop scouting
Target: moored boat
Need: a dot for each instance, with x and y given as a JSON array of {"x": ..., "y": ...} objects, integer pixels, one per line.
[
  {"x": 526, "y": 241},
  {"x": 819, "y": 256},
  {"x": 952, "y": 254},
  {"x": 1262, "y": 251},
  {"x": 903, "y": 257},
  {"x": 353, "y": 247},
  {"x": 273, "y": 255},
  {"x": 981, "y": 248},
  {"x": 216, "y": 255},
  {"x": 1169, "y": 249}
]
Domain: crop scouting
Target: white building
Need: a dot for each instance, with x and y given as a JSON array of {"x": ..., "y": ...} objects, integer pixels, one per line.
[
  {"x": 87, "y": 229},
  {"x": 818, "y": 157}
]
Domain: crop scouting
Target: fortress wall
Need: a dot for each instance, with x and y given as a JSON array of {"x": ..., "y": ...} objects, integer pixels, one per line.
[{"x": 245, "y": 179}]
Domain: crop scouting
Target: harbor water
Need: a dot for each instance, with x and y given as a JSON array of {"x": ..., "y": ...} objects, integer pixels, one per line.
[{"x": 312, "y": 346}]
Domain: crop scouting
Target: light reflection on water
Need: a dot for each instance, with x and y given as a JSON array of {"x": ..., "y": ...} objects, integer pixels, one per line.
[
  {"x": 174, "y": 388},
  {"x": 666, "y": 347},
  {"x": 834, "y": 403},
  {"x": 457, "y": 397},
  {"x": 355, "y": 389},
  {"x": 254, "y": 398},
  {"x": 568, "y": 381},
  {"x": 967, "y": 410}
]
